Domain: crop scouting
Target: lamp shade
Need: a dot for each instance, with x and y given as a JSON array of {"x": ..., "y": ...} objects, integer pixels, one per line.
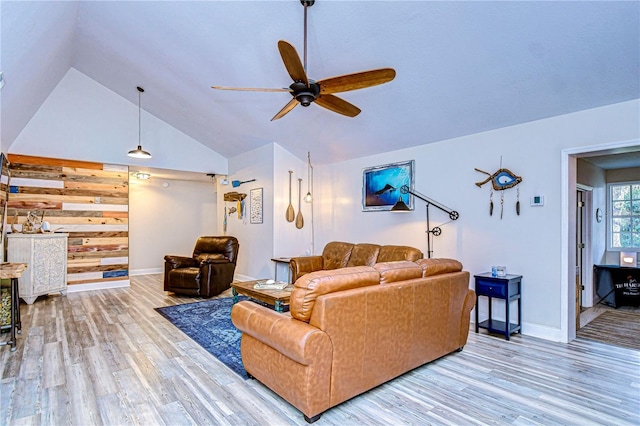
[
  {"x": 400, "y": 206},
  {"x": 139, "y": 153}
]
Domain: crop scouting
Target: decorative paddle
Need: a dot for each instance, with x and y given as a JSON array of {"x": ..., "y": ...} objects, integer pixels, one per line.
[
  {"x": 299, "y": 219},
  {"x": 290, "y": 213}
]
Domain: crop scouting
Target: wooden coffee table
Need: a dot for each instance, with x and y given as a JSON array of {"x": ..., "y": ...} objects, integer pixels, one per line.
[{"x": 276, "y": 298}]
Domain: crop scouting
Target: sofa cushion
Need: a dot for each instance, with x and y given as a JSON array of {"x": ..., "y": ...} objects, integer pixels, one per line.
[
  {"x": 336, "y": 255},
  {"x": 394, "y": 253},
  {"x": 308, "y": 287},
  {"x": 391, "y": 272},
  {"x": 438, "y": 266},
  {"x": 364, "y": 255}
]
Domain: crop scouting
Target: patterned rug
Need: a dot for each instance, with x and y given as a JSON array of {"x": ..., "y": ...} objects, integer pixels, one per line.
[
  {"x": 614, "y": 327},
  {"x": 209, "y": 324}
]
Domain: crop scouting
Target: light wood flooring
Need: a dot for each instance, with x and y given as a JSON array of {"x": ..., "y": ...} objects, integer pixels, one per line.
[{"x": 107, "y": 358}]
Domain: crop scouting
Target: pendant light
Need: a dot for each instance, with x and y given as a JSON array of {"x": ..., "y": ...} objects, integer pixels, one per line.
[
  {"x": 308, "y": 198},
  {"x": 139, "y": 152}
]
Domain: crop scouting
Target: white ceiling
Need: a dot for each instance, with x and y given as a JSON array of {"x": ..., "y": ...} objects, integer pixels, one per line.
[{"x": 462, "y": 67}]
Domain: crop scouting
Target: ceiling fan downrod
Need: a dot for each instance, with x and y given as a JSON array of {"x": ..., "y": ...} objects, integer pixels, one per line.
[{"x": 306, "y": 4}]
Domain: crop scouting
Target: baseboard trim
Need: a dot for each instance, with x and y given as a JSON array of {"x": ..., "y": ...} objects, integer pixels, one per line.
[
  {"x": 543, "y": 332},
  {"x": 149, "y": 271}
]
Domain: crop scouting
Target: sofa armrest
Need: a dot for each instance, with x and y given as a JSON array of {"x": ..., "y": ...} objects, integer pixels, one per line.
[
  {"x": 179, "y": 261},
  {"x": 295, "y": 339},
  {"x": 303, "y": 265}
]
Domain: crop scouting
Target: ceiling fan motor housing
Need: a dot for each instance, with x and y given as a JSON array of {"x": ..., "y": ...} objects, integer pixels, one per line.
[{"x": 303, "y": 94}]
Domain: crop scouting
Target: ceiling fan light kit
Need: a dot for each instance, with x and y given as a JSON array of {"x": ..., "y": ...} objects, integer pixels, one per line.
[
  {"x": 306, "y": 91},
  {"x": 139, "y": 152}
]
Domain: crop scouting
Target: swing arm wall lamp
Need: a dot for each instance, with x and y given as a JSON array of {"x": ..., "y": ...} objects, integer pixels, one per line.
[{"x": 401, "y": 206}]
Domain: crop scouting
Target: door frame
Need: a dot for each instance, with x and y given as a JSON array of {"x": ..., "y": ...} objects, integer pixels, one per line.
[
  {"x": 568, "y": 177},
  {"x": 587, "y": 255}
]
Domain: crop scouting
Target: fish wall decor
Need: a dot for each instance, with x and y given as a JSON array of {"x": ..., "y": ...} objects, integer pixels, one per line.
[{"x": 501, "y": 180}]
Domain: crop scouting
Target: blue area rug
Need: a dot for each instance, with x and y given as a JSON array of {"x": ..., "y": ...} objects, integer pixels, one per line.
[{"x": 209, "y": 323}]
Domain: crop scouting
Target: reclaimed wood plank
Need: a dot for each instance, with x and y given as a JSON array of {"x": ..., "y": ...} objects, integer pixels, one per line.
[
  {"x": 94, "y": 268},
  {"x": 44, "y": 161},
  {"x": 68, "y": 192},
  {"x": 80, "y": 171},
  {"x": 95, "y": 254},
  {"x": 24, "y": 197}
]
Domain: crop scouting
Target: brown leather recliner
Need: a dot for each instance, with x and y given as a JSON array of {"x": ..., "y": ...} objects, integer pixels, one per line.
[{"x": 207, "y": 273}]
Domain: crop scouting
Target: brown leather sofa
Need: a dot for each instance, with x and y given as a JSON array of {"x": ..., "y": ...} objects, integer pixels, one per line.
[
  {"x": 337, "y": 254},
  {"x": 351, "y": 329},
  {"x": 208, "y": 272}
]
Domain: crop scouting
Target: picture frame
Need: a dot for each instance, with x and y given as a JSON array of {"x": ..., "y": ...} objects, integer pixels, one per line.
[
  {"x": 255, "y": 205},
  {"x": 381, "y": 185}
]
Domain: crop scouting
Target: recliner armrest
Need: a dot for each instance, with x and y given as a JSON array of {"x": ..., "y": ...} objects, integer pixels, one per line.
[
  {"x": 180, "y": 261},
  {"x": 213, "y": 261},
  {"x": 303, "y": 265}
]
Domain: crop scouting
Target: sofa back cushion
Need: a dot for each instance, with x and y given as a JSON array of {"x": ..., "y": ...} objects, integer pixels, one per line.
[
  {"x": 364, "y": 255},
  {"x": 308, "y": 287},
  {"x": 391, "y": 272},
  {"x": 394, "y": 253},
  {"x": 225, "y": 245},
  {"x": 438, "y": 266},
  {"x": 336, "y": 255}
]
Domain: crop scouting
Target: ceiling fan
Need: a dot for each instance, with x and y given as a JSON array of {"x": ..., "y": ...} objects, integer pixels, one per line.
[{"x": 305, "y": 90}]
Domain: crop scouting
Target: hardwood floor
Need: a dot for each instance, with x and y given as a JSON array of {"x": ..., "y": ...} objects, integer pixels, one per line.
[{"x": 107, "y": 358}]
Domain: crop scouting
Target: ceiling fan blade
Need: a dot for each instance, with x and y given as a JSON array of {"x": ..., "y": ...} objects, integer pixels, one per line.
[
  {"x": 359, "y": 80},
  {"x": 250, "y": 89},
  {"x": 292, "y": 62},
  {"x": 338, "y": 105},
  {"x": 288, "y": 107}
]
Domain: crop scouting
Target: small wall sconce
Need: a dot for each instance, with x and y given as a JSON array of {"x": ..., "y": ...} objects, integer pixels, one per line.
[{"x": 143, "y": 176}]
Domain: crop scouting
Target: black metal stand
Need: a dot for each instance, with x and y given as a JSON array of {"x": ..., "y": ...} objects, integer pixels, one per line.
[
  {"x": 401, "y": 206},
  {"x": 16, "y": 324}
]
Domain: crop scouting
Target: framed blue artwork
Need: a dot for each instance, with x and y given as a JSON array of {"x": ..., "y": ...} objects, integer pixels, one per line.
[{"x": 381, "y": 185}]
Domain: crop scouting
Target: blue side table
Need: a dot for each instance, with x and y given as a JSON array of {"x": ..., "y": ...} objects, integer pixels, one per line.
[{"x": 507, "y": 288}]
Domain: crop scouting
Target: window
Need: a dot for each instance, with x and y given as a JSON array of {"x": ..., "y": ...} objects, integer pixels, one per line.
[{"x": 624, "y": 220}]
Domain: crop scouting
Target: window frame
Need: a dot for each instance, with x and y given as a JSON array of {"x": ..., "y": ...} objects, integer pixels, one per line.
[{"x": 610, "y": 217}]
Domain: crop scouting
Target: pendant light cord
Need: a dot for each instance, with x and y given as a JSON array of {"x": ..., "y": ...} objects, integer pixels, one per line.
[{"x": 139, "y": 121}]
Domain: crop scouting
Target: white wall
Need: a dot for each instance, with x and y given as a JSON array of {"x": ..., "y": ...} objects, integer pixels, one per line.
[
  {"x": 290, "y": 241},
  {"x": 167, "y": 217},
  {"x": 82, "y": 120},
  {"x": 529, "y": 244},
  {"x": 275, "y": 237},
  {"x": 255, "y": 239}
]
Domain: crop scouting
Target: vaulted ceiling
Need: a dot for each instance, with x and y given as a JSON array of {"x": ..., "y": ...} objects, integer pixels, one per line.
[{"x": 462, "y": 67}]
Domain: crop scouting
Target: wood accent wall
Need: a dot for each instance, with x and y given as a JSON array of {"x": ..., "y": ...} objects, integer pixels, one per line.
[{"x": 89, "y": 201}]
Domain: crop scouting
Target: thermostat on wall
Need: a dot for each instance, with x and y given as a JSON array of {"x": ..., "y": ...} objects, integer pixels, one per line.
[{"x": 537, "y": 200}]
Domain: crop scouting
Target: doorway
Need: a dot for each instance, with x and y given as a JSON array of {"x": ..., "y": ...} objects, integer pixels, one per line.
[{"x": 569, "y": 305}]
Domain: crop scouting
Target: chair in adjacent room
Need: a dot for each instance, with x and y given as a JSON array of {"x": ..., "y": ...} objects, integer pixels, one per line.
[{"x": 207, "y": 273}]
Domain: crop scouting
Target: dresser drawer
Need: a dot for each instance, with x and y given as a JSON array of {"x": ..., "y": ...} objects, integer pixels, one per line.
[{"x": 490, "y": 288}]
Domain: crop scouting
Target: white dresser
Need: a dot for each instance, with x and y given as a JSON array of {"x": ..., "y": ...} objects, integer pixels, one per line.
[{"x": 46, "y": 259}]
